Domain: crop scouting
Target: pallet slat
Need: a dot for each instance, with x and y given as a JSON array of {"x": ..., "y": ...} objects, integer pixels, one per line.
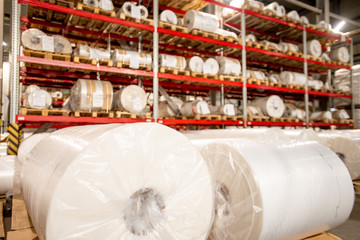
[{"x": 43, "y": 112}]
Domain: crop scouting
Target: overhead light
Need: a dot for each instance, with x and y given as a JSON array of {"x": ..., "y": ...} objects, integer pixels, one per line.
[
  {"x": 4, "y": 44},
  {"x": 339, "y": 26}
]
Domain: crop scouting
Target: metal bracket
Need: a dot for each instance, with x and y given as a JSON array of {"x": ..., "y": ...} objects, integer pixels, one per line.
[
  {"x": 43, "y": 128},
  {"x": 172, "y": 105}
]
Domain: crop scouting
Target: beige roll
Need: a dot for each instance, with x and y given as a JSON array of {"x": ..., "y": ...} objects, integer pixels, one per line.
[
  {"x": 168, "y": 16},
  {"x": 272, "y": 44},
  {"x": 287, "y": 77},
  {"x": 62, "y": 45},
  {"x": 272, "y": 106},
  {"x": 317, "y": 84},
  {"x": 92, "y": 53},
  {"x": 87, "y": 95},
  {"x": 128, "y": 9},
  {"x": 202, "y": 21},
  {"x": 171, "y": 61},
  {"x": 131, "y": 98},
  {"x": 227, "y": 12},
  {"x": 106, "y": 5},
  {"x": 272, "y": 7},
  {"x": 226, "y": 33},
  {"x": 304, "y": 20},
  {"x": 196, "y": 64},
  {"x": 226, "y": 109},
  {"x": 127, "y": 56},
  {"x": 195, "y": 107},
  {"x": 166, "y": 111},
  {"x": 313, "y": 48},
  {"x": 293, "y": 15},
  {"x": 321, "y": 116},
  {"x": 211, "y": 66},
  {"x": 289, "y": 47},
  {"x": 250, "y": 38},
  {"x": 32, "y": 39},
  {"x": 93, "y": 3},
  {"x": 38, "y": 99},
  {"x": 293, "y": 112},
  {"x": 229, "y": 66},
  {"x": 180, "y": 21},
  {"x": 340, "y": 54},
  {"x": 256, "y": 75},
  {"x": 340, "y": 114}
]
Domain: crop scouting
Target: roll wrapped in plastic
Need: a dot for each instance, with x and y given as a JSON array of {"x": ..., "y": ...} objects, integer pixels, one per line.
[
  {"x": 276, "y": 8},
  {"x": 202, "y": 21},
  {"x": 196, "y": 64},
  {"x": 171, "y": 61},
  {"x": 289, "y": 47},
  {"x": 106, "y": 5},
  {"x": 340, "y": 114},
  {"x": 28, "y": 144},
  {"x": 127, "y": 6},
  {"x": 131, "y": 98},
  {"x": 195, "y": 107},
  {"x": 118, "y": 182},
  {"x": 304, "y": 20},
  {"x": 313, "y": 48},
  {"x": 272, "y": 106},
  {"x": 168, "y": 16},
  {"x": 340, "y": 54},
  {"x": 321, "y": 116},
  {"x": 323, "y": 24},
  {"x": 62, "y": 45},
  {"x": 292, "y": 111},
  {"x": 317, "y": 84},
  {"x": 93, "y": 53},
  {"x": 166, "y": 111},
  {"x": 32, "y": 39},
  {"x": 256, "y": 75},
  {"x": 6, "y": 173},
  {"x": 227, "y": 12},
  {"x": 272, "y": 44},
  {"x": 250, "y": 38},
  {"x": 30, "y": 89},
  {"x": 125, "y": 56},
  {"x": 93, "y": 3},
  {"x": 226, "y": 33},
  {"x": 275, "y": 78},
  {"x": 293, "y": 15},
  {"x": 57, "y": 94},
  {"x": 38, "y": 99},
  {"x": 211, "y": 66},
  {"x": 180, "y": 22},
  {"x": 229, "y": 66},
  {"x": 287, "y": 77},
  {"x": 87, "y": 95},
  {"x": 226, "y": 109}
]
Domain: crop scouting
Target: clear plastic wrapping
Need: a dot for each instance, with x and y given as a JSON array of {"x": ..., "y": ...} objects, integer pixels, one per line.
[
  {"x": 202, "y": 21},
  {"x": 195, "y": 107},
  {"x": 38, "y": 99},
  {"x": 165, "y": 110},
  {"x": 131, "y": 98},
  {"x": 7, "y": 165},
  {"x": 272, "y": 106},
  {"x": 118, "y": 182},
  {"x": 92, "y": 53},
  {"x": 171, "y": 61},
  {"x": 229, "y": 66},
  {"x": 126, "y": 56}
]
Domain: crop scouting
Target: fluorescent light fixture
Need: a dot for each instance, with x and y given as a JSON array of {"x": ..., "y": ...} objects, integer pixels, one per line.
[
  {"x": 339, "y": 26},
  {"x": 4, "y": 44}
]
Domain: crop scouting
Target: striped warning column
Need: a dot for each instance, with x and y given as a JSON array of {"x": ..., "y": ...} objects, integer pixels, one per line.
[{"x": 14, "y": 138}]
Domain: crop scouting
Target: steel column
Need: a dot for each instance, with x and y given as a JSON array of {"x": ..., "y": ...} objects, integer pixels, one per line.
[
  {"x": 243, "y": 59},
  {"x": 1, "y": 56},
  {"x": 156, "y": 60},
  {"x": 306, "y": 74},
  {"x": 351, "y": 79}
]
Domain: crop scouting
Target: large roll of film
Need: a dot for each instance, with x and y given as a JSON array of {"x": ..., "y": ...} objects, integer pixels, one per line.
[
  {"x": 321, "y": 116},
  {"x": 313, "y": 48},
  {"x": 227, "y": 12},
  {"x": 32, "y": 39},
  {"x": 87, "y": 95},
  {"x": 292, "y": 111},
  {"x": 272, "y": 44},
  {"x": 127, "y": 6},
  {"x": 346, "y": 144},
  {"x": 323, "y": 24},
  {"x": 229, "y": 66},
  {"x": 211, "y": 66},
  {"x": 93, "y": 53},
  {"x": 272, "y": 106},
  {"x": 226, "y": 33},
  {"x": 196, "y": 64},
  {"x": 38, "y": 99},
  {"x": 106, "y": 5},
  {"x": 276, "y": 8},
  {"x": 171, "y": 61},
  {"x": 250, "y": 38},
  {"x": 287, "y": 77},
  {"x": 93, "y": 3},
  {"x": 251, "y": 175},
  {"x": 166, "y": 111},
  {"x": 131, "y": 98},
  {"x": 293, "y": 15},
  {"x": 202, "y": 21},
  {"x": 62, "y": 45},
  {"x": 118, "y": 182},
  {"x": 28, "y": 144},
  {"x": 289, "y": 47},
  {"x": 316, "y": 84},
  {"x": 30, "y": 89},
  {"x": 340, "y": 54},
  {"x": 195, "y": 107},
  {"x": 168, "y": 16},
  {"x": 304, "y": 20},
  {"x": 340, "y": 114},
  {"x": 226, "y": 109},
  {"x": 126, "y": 56},
  {"x": 6, "y": 173}
]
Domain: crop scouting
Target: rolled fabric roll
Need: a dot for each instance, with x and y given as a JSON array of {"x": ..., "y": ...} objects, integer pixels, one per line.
[
  {"x": 166, "y": 111},
  {"x": 38, "y": 99},
  {"x": 168, "y": 16},
  {"x": 106, "y": 5},
  {"x": 6, "y": 173},
  {"x": 57, "y": 94},
  {"x": 196, "y": 64},
  {"x": 28, "y": 144},
  {"x": 272, "y": 44},
  {"x": 323, "y": 24},
  {"x": 226, "y": 109},
  {"x": 250, "y": 38},
  {"x": 273, "y": 7},
  {"x": 287, "y": 77},
  {"x": 340, "y": 114},
  {"x": 304, "y": 19},
  {"x": 321, "y": 116},
  {"x": 340, "y": 54},
  {"x": 289, "y": 47},
  {"x": 32, "y": 39},
  {"x": 195, "y": 107},
  {"x": 317, "y": 84},
  {"x": 226, "y": 33},
  {"x": 126, "y": 56},
  {"x": 211, "y": 66},
  {"x": 93, "y": 53},
  {"x": 127, "y": 6},
  {"x": 87, "y": 95},
  {"x": 62, "y": 45},
  {"x": 229, "y": 66},
  {"x": 293, "y": 15},
  {"x": 272, "y": 106},
  {"x": 131, "y": 180},
  {"x": 131, "y": 98},
  {"x": 202, "y": 21},
  {"x": 93, "y": 3},
  {"x": 313, "y": 48},
  {"x": 171, "y": 61}
]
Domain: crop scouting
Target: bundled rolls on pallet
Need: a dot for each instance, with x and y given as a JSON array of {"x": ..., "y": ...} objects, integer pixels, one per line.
[
  {"x": 313, "y": 48},
  {"x": 92, "y": 53},
  {"x": 276, "y": 8},
  {"x": 62, "y": 45},
  {"x": 131, "y": 98},
  {"x": 321, "y": 116},
  {"x": 202, "y": 21},
  {"x": 250, "y": 38},
  {"x": 166, "y": 111},
  {"x": 226, "y": 12},
  {"x": 292, "y": 111},
  {"x": 226, "y": 33},
  {"x": 195, "y": 107},
  {"x": 6, "y": 173},
  {"x": 168, "y": 16},
  {"x": 226, "y": 109},
  {"x": 171, "y": 61},
  {"x": 32, "y": 39},
  {"x": 293, "y": 15},
  {"x": 229, "y": 66},
  {"x": 256, "y": 74},
  {"x": 130, "y": 9},
  {"x": 131, "y": 180},
  {"x": 272, "y": 44},
  {"x": 92, "y": 3},
  {"x": 127, "y": 56},
  {"x": 317, "y": 84},
  {"x": 346, "y": 144},
  {"x": 275, "y": 78},
  {"x": 340, "y": 54},
  {"x": 87, "y": 95},
  {"x": 287, "y": 77},
  {"x": 196, "y": 64},
  {"x": 251, "y": 174},
  {"x": 211, "y": 66},
  {"x": 289, "y": 47},
  {"x": 272, "y": 106},
  {"x": 340, "y": 114},
  {"x": 38, "y": 99}
]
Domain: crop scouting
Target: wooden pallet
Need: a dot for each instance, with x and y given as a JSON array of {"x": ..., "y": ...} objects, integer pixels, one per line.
[
  {"x": 50, "y": 15},
  {"x": 258, "y": 81},
  {"x": 323, "y": 236},
  {"x": 184, "y": 5},
  {"x": 47, "y": 55},
  {"x": 344, "y": 121},
  {"x": 103, "y": 62},
  {"x": 43, "y": 112},
  {"x": 124, "y": 114},
  {"x": 311, "y": 57},
  {"x": 173, "y": 27},
  {"x": 121, "y": 64},
  {"x": 2, "y": 230},
  {"x": 174, "y": 71},
  {"x": 206, "y": 117},
  {"x": 233, "y": 118},
  {"x": 202, "y": 75},
  {"x": 94, "y": 114},
  {"x": 230, "y": 78},
  {"x": 258, "y": 118},
  {"x": 357, "y": 186},
  {"x": 295, "y": 54},
  {"x": 295, "y": 86}
]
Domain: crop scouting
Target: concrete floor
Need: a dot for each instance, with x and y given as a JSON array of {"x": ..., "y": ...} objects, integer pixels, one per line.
[{"x": 350, "y": 230}]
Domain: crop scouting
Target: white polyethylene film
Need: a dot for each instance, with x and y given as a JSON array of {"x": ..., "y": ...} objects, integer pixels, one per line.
[
  {"x": 131, "y": 98},
  {"x": 202, "y": 21},
  {"x": 6, "y": 173},
  {"x": 118, "y": 182}
]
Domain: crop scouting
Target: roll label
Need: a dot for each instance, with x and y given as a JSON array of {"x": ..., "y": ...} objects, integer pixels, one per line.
[
  {"x": 39, "y": 99},
  {"x": 135, "y": 12},
  {"x": 47, "y": 43},
  {"x": 204, "y": 108},
  {"x": 134, "y": 61}
]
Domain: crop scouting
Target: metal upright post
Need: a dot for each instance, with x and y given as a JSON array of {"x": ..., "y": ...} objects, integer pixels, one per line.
[
  {"x": 306, "y": 75},
  {"x": 140, "y": 49},
  {"x": 351, "y": 79},
  {"x": 222, "y": 94},
  {"x": 243, "y": 57},
  {"x": 156, "y": 60},
  {"x": 1, "y": 55},
  {"x": 15, "y": 49}
]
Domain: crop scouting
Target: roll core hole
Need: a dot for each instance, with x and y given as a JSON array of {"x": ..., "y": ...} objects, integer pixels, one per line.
[
  {"x": 341, "y": 156},
  {"x": 144, "y": 211},
  {"x": 35, "y": 40},
  {"x": 222, "y": 200}
]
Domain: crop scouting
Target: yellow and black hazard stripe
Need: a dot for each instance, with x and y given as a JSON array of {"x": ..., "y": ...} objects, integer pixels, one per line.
[{"x": 14, "y": 138}]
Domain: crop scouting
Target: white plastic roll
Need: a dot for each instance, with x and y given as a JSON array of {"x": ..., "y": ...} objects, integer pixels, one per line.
[
  {"x": 281, "y": 11},
  {"x": 211, "y": 66},
  {"x": 293, "y": 15},
  {"x": 93, "y": 3},
  {"x": 32, "y": 39},
  {"x": 275, "y": 78},
  {"x": 127, "y": 56},
  {"x": 195, "y": 107},
  {"x": 131, "y": 98},
  {"x": 226, "y": 109},
  {"x": 166, "y": 111},
  {"x": 323, "y": 24},
  {"x": 289, "y": 47},
  {"x": 106, "y": 5},
  {"x": 62, "y": 45},
  {"x": 226, "y": 33},
  {"x": 250, "y": 38},
  {"x": 38, "y": 99},
  {"x": 314, "y": 48},
  {"x": 340, "y": 114},
  {"x": 171, "y": 61},
  {"x": 287, "y": 77},
  {"x": 340, "y": 54},
  {"x": 317, "y": 84},
  {"x": 180, "y": 21},
  {"x": 30, "y": 89},
  {"x": 168, "y": 16},
  {"x": 304, "y": 19},
  {"x": 127, "y": 6},
  {"x": 92, "y": 53},
  {"x": 28, "y": 144},
  {"x": 272, "y": 44},
  {"x": 87, "y": 95},
  {"x": 202, "y": 21},
  {"x": 260, "y": 185},
  {"x": 273, "y": 7},
  {"x": 57, "y": 94},
  {"x": 272, "y": 106},
  {"x": 227, "y": 12},
  {"x": 6, "y": 173},
  {"x": 196, "y": 64},
  {"x": 293, "y": 112},
  {"x": 229, "y": 66},
  {"x": 256, "y": 75},
  {"x": 346, "y": 144},
  {"x": 321, "y": 116},
  {"x": 118, "y": 182}
]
